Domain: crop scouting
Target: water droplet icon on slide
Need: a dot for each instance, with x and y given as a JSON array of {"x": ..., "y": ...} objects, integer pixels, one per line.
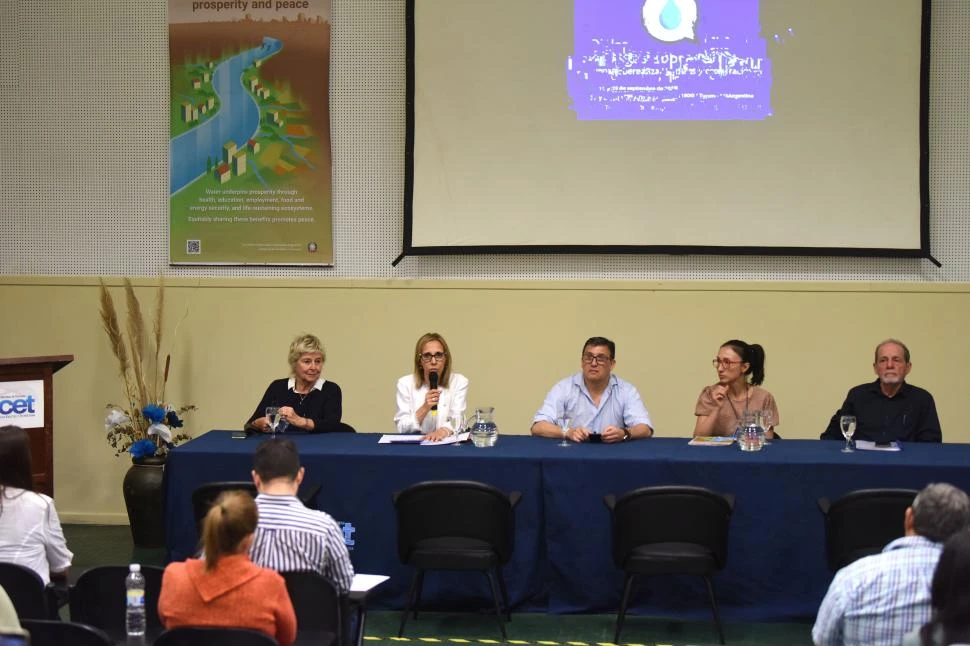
[
  {"x": 670, "y": 16},
  {"x": 670, "y": 20}
]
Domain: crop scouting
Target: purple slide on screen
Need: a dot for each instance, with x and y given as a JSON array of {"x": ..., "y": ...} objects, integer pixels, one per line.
[{"x": 669, "y": 59}]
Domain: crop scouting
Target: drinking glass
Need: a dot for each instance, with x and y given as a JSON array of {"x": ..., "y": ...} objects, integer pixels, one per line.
[
  {"x": 273, "y": 414},
  {"x": 563, "y": 421},
  {"x": 847, "y": 424},
  {"x": 767, "y": 421},
  {"x": 457, "y": 421}
]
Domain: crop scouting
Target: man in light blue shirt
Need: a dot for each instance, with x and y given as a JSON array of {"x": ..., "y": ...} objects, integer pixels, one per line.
[
  {"x": 876, "y": 600},
  {"x": 597, "y": 403}
]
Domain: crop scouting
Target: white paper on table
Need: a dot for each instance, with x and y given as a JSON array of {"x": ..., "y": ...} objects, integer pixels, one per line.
[
  {"x": 364, "y": 582},
  {"x": 866, "y": 445},
  {"x": 450, "y": 439},
  {"x": 398, "y": 438}
]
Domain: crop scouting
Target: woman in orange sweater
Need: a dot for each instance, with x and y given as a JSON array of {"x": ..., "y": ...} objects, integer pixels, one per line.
[{"x": 227, "y": 589}]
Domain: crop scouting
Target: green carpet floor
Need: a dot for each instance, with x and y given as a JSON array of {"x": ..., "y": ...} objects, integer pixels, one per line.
[{"x": 103, "y": 544}]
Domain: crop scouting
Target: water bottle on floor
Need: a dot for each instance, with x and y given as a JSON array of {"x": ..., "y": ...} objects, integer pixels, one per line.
[{"x": 135, "y": 605}]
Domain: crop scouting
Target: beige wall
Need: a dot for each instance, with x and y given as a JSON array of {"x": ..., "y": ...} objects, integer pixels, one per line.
[{"x": 512, "y": 339}]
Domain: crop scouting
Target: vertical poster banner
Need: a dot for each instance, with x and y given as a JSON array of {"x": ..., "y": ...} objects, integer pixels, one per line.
[{"x": 250, "y": 159}]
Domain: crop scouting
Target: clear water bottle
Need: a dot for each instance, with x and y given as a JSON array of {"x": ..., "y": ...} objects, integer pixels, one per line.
[{"x": 135, "y": 605}]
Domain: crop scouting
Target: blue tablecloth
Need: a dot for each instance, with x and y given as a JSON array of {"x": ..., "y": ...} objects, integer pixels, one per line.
[{"x": 776, "y": 560}]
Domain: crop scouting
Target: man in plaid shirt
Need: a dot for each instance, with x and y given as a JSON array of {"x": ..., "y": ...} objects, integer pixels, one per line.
[{"x": 876, "y": 600}]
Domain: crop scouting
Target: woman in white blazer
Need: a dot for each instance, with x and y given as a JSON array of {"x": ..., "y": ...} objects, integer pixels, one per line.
[{"x": 427, "y": 410}]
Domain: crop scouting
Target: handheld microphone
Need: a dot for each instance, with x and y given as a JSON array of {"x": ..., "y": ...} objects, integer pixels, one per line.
[{"x": 433, "y": 377}]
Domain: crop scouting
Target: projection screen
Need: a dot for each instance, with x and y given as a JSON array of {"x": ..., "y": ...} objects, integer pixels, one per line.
[{"x": 677, "y": 126}]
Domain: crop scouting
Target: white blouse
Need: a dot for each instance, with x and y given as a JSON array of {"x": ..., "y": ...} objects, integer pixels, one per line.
[
  {"x": 31, "y": 534},
  {"x": 410, "y": 398}
]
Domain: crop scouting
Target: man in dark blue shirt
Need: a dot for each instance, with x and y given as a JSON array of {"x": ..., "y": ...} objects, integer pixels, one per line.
[{"x": 889, "y": 409}]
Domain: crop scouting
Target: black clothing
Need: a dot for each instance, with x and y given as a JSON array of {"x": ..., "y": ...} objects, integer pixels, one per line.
[
  {"x": 909, "y": 416},
  {"x": 323, "y": 406}
]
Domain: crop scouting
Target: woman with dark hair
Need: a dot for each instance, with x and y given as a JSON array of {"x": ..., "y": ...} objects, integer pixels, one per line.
[
  {"x": 950, "y": 598},
  {"x": 421, "y": 408},
  {"x": 30, "y": 530},
  {"x": 227, "y": 589},
  {"x": 740, "y": 372}
]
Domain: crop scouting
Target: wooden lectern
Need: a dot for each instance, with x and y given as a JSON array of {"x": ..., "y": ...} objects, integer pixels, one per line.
[{"x": 41, "y": 436}]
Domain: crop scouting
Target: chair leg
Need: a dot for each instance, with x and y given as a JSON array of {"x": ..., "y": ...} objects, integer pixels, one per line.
[
  {"x": 498, "y": 610},
  {"x": 717, "y": 616},
  {"x": 417, "y": 600},
  {"x": 408, "y": 603},
  {"x": 505, "y": 594},
  {"x": 627, "y": 588}
]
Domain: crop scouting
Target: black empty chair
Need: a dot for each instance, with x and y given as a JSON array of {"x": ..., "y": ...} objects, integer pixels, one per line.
[
  {"x": 455, "y": 525},
  {"x": 31, "y": 598},
  {"x": 863, "y": 522},
  {"x": 214, "y": 636},
  {"x": 670, "y": 530},
  {"x": 64, "y": 633},
  {"x": 98, "y": 599},
  {"x": 206, "y": 494},
  {"x": 320, "y": 609}
]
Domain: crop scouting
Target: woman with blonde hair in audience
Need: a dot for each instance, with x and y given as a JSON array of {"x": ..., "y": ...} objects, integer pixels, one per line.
[
  {"x": 427, "y": 410},
  {"x": 227, "y": 589},
  {"x": 740, "y": 370},
  {"x": 30, "y": 530}
]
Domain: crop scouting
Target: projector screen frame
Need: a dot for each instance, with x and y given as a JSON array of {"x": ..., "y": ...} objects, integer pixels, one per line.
[{"x": 922, "y": 252}]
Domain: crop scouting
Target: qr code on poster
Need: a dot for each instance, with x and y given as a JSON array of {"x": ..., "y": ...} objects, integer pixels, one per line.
[{"x": 193, "y": 247}]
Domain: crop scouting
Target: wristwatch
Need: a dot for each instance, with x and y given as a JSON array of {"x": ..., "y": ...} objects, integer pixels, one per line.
[{"x": 626, "y": 434}]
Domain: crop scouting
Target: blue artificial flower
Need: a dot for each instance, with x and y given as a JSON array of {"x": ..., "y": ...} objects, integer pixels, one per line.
[
  {"x": 143, "y": 449},
  {"x": 154, "y": 414},
  {"x": 173, "y": 420}
]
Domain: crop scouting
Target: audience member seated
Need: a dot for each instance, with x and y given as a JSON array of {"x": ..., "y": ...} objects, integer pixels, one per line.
[
  {"x": 889, "y": 409},
  {"x": 740, "y": 372},
  {"x": 876, "y": 600},
  {"x": 950, "y": 598},
  {"x": 9, "y": 623},
  {"x": 599, "y": 404},
  {"x": 30, "y": 530},
  {"x": 227, "y": 589},
  {"x": 290, "y": 537},
  {"x": 306, "y": 401},
  {"x": 427, "y": 410}
]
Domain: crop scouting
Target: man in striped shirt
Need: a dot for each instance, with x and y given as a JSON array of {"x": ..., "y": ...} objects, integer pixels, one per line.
[
  {"x": 876, "y": 600},
  {"x": 290, "y": 537}
]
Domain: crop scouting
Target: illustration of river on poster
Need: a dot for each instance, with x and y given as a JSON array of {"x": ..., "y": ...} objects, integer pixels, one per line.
[{"x": 250, "y": 174}]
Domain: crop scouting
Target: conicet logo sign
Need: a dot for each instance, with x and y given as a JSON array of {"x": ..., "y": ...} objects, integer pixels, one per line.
[{"x": 19, "y": 406}]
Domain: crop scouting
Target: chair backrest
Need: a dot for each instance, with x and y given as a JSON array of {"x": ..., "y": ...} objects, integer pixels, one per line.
[
  {"x": 456, "y": 508},
  {"x": 673, "y": 514},
  {"x": 25, "y": 589},
  {"x": 321, "y": 611},
  {"x": 863, "y": 522},
  {"x": 62, "y": 633},
  {"x": 98, "y": 599},
  {"x": 214, "y": 636},
  {"x": 206, "y": 494}
]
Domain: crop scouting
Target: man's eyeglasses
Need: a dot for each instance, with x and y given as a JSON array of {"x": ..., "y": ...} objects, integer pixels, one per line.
[
  {"x": 727, "y": 363},
  {"x": 593, "y": 359},
  {"x": 428, "y": 357}
]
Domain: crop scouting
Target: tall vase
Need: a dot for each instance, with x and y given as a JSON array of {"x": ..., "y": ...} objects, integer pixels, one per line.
[{"x": 143, "y": 498}]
